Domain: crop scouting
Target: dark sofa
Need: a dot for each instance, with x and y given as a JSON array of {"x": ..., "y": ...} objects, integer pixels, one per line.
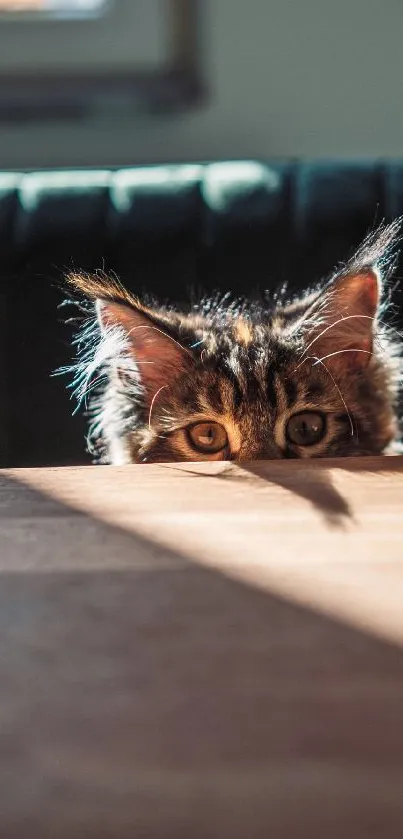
[{"x": 238, "y": 226}]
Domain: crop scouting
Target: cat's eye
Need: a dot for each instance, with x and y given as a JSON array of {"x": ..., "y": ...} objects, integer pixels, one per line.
[
  {"x": 208, "y": 437},
  {"x": 306, "y": 428}
]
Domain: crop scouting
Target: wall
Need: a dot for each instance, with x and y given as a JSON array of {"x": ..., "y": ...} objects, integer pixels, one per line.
[{"x": 287, "y": 77}]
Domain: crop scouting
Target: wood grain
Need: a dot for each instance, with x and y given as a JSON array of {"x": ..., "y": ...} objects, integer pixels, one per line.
[{"x": 202, "y": 650}]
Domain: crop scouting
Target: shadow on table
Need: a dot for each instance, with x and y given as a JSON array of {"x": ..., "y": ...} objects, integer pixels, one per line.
[
  {"x": 309, "y": 479},
  {"x": 144, "y": 695},
  {"x": 316, "y": 486}
]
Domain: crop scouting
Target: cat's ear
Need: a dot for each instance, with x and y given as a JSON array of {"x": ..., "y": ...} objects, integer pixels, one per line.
[
  {"x": 158, "y": 355},
  {"x": 138, "y": 340},
  {"x": 340, "y": 325}
]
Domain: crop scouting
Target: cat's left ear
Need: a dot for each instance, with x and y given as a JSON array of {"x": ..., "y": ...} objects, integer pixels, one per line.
[{"x": 340, "y": 325}]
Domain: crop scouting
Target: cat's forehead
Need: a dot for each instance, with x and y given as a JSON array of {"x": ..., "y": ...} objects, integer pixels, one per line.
[
  {"x": 245, "y": 348},
  {"x": 243, "y": 331},
  {"x": 237, "y": 335},
  {"x": 252, "y": 381}
]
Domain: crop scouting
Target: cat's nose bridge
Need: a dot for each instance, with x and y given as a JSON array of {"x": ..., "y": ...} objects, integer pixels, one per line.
[
  {"x": 257, "y": 442},
  {"x": 259, "y": 454},
  {"x": 259, "y": 451}
]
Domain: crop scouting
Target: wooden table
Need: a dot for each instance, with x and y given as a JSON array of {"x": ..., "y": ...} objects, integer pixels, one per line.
[{"x": 202, "y": 651}]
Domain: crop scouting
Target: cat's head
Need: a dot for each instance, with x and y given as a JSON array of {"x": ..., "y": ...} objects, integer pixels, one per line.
[{"x": 318, "y": 377}]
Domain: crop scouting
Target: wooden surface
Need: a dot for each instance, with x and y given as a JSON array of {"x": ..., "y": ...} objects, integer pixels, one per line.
[{"x": 201, "y": 651}]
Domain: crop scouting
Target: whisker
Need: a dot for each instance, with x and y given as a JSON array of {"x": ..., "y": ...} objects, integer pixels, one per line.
[
  {"x": 320, "y": 361},
  {"x": 389, "y": 327},
  {"x": 332, "y": 325},
  {"x": 340, "y": 352},
  {"x": 161, "y": 331},
  {"x": 152, "y": 404}
]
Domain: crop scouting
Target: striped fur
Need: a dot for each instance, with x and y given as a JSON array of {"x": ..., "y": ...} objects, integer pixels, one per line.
[{"x": 146, "y": 374}]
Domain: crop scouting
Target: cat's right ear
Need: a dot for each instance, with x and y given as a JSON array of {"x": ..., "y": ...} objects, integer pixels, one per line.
[
  {"x": 147, "y": 339},
  {"x": 134, "y": 336}
]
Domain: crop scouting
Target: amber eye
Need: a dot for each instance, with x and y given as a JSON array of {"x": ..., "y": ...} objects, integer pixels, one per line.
[
  {"x": 208, "y": 437},
  {"x": 305, "y": 429}
]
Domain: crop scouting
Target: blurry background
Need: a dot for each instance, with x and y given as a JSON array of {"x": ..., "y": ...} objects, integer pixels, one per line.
[{"x": 265, "y": 78}]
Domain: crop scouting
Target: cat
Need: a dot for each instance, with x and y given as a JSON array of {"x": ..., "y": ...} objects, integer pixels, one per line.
[{"x": 316, "y": 377}]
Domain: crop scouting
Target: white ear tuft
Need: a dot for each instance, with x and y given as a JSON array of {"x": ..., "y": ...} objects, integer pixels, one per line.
[{"x": 159, "y": 356}]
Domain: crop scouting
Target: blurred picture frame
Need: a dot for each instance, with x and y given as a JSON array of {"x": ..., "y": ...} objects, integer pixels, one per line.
[{"x": 133, "y": 56}]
